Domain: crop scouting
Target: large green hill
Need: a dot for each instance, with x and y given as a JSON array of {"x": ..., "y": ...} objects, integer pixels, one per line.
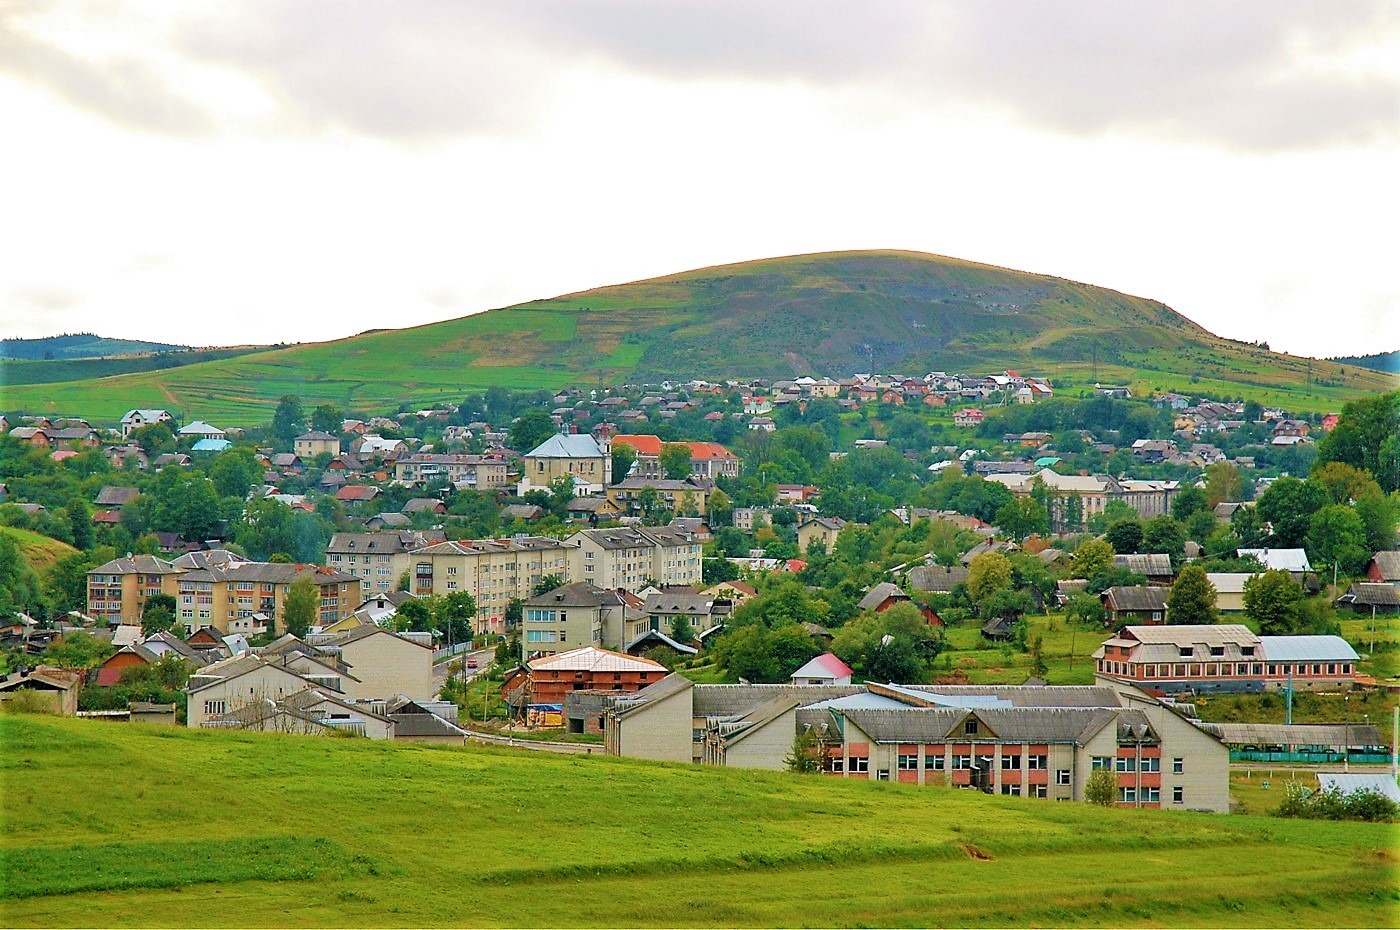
[
  {"x": 112, "y": 824},
  {"x": 833, "y": 314}
]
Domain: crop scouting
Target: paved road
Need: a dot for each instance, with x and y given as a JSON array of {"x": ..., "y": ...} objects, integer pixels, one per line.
[{"x": 483, "y": 658}]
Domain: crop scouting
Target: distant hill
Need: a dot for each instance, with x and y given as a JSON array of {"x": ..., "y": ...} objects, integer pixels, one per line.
[
  {"x": 79, "y": 345},
  {"x": 1382, "y": 361},
  {"x": 36, "y": 371},
  {"x": 40, "y": 551},
  {"x": 832, "y": 313}
]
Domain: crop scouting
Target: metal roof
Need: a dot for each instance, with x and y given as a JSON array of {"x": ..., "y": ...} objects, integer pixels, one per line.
[
  {"x": 1307, "y": 649},
  {"x": 1346, "y": 783},
  {"x": 1332, "y": 735},
  {"x": 1288, "y": 560}
]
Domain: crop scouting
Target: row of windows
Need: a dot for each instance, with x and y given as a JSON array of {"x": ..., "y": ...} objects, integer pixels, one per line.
[{"x": 1221, "y": 669}]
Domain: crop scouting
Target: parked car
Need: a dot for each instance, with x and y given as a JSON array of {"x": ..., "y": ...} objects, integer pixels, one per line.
[{"x": 471, "y": 663}]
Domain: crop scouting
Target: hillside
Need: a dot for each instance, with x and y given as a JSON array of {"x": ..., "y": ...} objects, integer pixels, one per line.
[
  {"x": 229, "y": 829},
  {"x": 1388, "y": 362},
  {"x": 40, "y": 551},
  {"x": 79, "y": 345},
  {"x": 833, "y": 313}
]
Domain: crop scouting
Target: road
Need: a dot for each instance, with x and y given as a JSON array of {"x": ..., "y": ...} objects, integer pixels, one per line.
[{"x": 483, "y": 658}]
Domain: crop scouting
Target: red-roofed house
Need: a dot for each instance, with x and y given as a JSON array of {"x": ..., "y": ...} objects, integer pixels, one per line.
[
  {"x": 356, "y": 493},
  {"x": 972, "y": 416},
  {"x": 825, "y": 669}
]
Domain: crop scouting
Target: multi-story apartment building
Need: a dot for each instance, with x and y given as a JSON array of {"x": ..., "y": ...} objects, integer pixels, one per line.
[
  {"x": 309, "y": 445},
  {"x": 630, "y": 558},
  {"x": 215, "y": 588},
  {"x": 707, "y": 459},
  {"x": 574, "y": 616},
  {"x": 689, "y": 497},
  {"x": 118, "y": 590},
  {"x": 379, "y": 560},
  {"x": 1148, "y": 498},
  {"x": 479, "y": 472},
  {"x": 493, "y": 571}
]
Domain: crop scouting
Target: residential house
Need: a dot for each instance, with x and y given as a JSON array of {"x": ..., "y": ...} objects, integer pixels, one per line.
[
  {"x": 356, "y": 494},
  {"x": 575, "y": 615},
  {"x": 472, "y": 472},
  {"x": 1140, "y": 603},
  {"x": 429, "y": 505},
  {"x": 707, "y": 459},
  {"x": 936, "y": 579},
  {"x": 133, "y": 420},
  {"x": 823, "y": 530},
  {"x": 1384, "y": 568},
  {"x": 630, "y": 557},
  {"x": 378, "y": 559},
  {"x": 309, "y": 445},
  {"x": 1156, "y": 567},
  {"x": 1371, "y": 598},
  {"x": 1229, "y": 590},
  {"x": 118, "y": 590},
  {"x": 1148, "y": 498},
  {"x": 549, "y": 679},
  {"x": 237, "y": 683},
  {"x": 825, "y": 669},
  {"x": 383, "y": 663},
  {"x": 968, "y": 417},
  {"x": 53, "y": 689},
  {"x": 200, "y": 430},
  {"x": 687, "y": 497},
  {"x": 885, "y": 595}
]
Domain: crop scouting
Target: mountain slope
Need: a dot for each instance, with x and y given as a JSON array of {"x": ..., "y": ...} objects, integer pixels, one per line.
[{"x": 832, "y": 313}]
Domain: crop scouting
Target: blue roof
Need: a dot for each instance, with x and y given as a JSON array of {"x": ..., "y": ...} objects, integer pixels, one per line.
[
  {"x": 567, "y": 446},
  {"x": 1307, "y": 649},
  {"x": 210, "y": 445},
  {"x": 954, "y": 700}
]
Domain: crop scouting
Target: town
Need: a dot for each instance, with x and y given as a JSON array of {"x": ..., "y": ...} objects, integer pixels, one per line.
[{"x": 871, "y": 577}]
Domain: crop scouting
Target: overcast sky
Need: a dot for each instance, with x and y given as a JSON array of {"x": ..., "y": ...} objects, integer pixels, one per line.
[{"x": 219, "y": 173}]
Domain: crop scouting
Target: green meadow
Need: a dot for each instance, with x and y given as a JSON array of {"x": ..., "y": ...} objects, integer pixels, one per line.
[
  {"x": 810, "y": 314},
  {"x": 110, "y": 824}
]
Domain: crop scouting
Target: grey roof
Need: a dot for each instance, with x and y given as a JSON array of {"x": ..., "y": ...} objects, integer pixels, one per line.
[
  {"x": 425, "y": 724},
  {"x": 936, "y": 577},
  {"x": 1379, "y": 594},
  {"x": 1017, "y": 725},
  {"x": 1307, "y": 649},
  {"x": 1149, "y": 564},
  {"x": 673, "y": 683},
  {"x": 1334, "y": 735},
  {"x": 137, "y": 564},
  {"x": 754, "y": 719},
  {"x": 1139, "y": 597},
  {"x": 577, "y": 594},
  {"x": 1348, "y": 782},
  {"x": 567, "y": 446},
  {"x": 678, "y": 602},
  {"x": 662, "y": 640},
  {"x": 1288, "y": 560},
  {"x": 114, "y": 495},
  {"x": 387, "y": 542},
  {"x": 879, "y": 594},
  {"x": 1388, "y": 561}
]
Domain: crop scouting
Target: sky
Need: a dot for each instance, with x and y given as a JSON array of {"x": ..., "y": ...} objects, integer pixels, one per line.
[{"x": 209, "y": 173}]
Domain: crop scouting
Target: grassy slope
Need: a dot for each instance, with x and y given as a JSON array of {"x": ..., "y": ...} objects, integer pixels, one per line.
[
  {"x": 220, "y": 829},
  {"x": 18, "y": 372},
  {"x": 833, "y": 313},
  {"x": 39, "y": 550}
]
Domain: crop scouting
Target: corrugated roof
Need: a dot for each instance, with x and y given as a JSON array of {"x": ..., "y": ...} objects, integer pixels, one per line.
[
  {"x": 1336, "y": 735},
  {"x": 1140, "y": 597},
  {"x": 567, "y": 446},
  {"x": 879, "y": 594},
  {"x": 1145, "y": 563},
  {"x": 1288, "y": 560},
  {"x": 825, "y": 665},
  {"x": 1307, "y": 649},
  {"x": 593, "y": 659},
  {"x": 1347, "y": 782},
  {"x": 1218, "y": 634}
]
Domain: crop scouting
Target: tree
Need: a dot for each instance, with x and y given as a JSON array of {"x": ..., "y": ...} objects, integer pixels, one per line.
[
  {"x": 1163, "y": 534},
  {"x": 988, "y": 574},
  {"x": 1222, "y": 483},
  {"x": 158, "y": 615},
  {"x": 675, "y": 461},
  {"x": 80, "y": 523},
  {"x": 1288, "y": 505},
  {"x": 1101, "y": 788},
  {"x": 1091, "y": 557},
  {"x": 1192, "y": 598},
  {"x": 804, "y": 758},
  {"x": 530, "y": 429},
  {"x": 1367, "y": 436},
  {"x": 623, "y": 455},
  {"x": 546, "y": 584},
  {"x": 1336, "y": 535},
  {"x": 327, "y": 419},
  {"x": 1341, "y": 482},
  {"x": 235, "y": 472},
  {"x": 302, "y": 604},
  {"x": 1125, "y": 536},
  {"x": 455, "y": 615},
  {"x": 1189, "y": 500},
  {"x": 1022, "y": 517},
  {"x": 1273, "y": 598},
  {"x": 153, "y": 438},
  {"x": 681, "y": 630},
  {"x": 289, "y": 419},
  {"x": 416, "y": 614},
  {"x": 515, "y": 612},
  {"x": 1038, "y": 666}
]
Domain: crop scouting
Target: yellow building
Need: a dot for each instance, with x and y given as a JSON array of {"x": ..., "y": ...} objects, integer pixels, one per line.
[
  {"x": 568, "y": 455},
  {"x": 493, "y": 571},
  {"x": 118, "y": 590}
]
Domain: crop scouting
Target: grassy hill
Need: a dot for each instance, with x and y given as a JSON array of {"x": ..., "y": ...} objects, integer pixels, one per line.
[
  {"x": 40, "y": 551},
  {"x": 832, "y": 313},
  {"x": 79, "y": 345},
  {"x": 121, "y": 825}
]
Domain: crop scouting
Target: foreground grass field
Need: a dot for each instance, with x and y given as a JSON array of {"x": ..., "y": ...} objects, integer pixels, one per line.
[{"x": 119, "y": 825}]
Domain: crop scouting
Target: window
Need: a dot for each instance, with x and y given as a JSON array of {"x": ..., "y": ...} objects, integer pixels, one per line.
[
  {"x": 882, "y": 775},
  {"x": 1178, "y": 794},
  {"x": 962, "y": 762},
  {"x": 1038, "y": 763},
  {"x": 1216, "y": 651},
  {"x": 1101, "y": 762},
  {"x": 970, "y": 726},
  {"x": 1149, "y": 764},
  {"x": 1127, "y": 795},
  {"x": 1241, "y": 669},
  {"x": 1062, "y": 776},
  {"x": 1178, "y": 765},
  {"x": 1011, "y": 789},
  {"x": 934, "y": 763},
  {"x": 838, "y": 764},
  {"x": 215, "y": 707},
  {"x": 1151, "y": 795},
  {"x": 1010, "y": 762},
  {"x": 1184, "y": 652},
  {"x": 860, "y": 764},
  {"x": 1247, "y": 650},
  {"x": 1123, "y": 764},
  {"x": 1039, "y": 791},
  {"x": 907, "y": 763}
]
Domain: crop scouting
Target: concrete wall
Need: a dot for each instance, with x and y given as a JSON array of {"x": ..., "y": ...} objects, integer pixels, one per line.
[
  {"x": 765, "y": 747},
  {"x": 387, "y": 665},
  {"x": 660, "y": 730}
]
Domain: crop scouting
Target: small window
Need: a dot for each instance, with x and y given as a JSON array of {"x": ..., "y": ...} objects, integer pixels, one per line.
[
  {"x": 860, "y": 764},
  {"x": 1178, "y": 765},
  {"x": 1039, "y": 791},
  {"x": 934, "y": 763},
  {"x": 1010, "y": 762},
  {"x": 1101, "y": 762},
  {"x": 907, "y": 763},
  {"x": 1127, "y": 795},
  {"x": 970, "y": 726},
  {"x": 1062, "y": 776},
  {"x": 1178, "y": 795}
]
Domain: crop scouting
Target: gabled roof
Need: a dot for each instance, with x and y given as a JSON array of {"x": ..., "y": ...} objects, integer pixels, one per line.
[
  {"x": 1138, "y": 597},
  {"x": 1368, "y": 594},
  {"x": 674, "y": 683},
  {"x": 1388, "y": 561},
  {"x": 826, "y": 665},
  {"x": 661, "y": 640},
  {"x": 114, "y": 495},
  {"x": 1288, "y": 560},
  {"x": 593, "y": 659},
  {"x": 567, "y": 446},
  {"x": 1207, "y": 634},
  {"x": 577, "y": 594},
  {"x": 1149, "y": 564},
  {"x": 879, "y": 594}
]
